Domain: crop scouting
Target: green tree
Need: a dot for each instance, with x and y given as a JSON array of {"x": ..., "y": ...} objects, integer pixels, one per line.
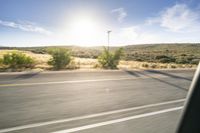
[
  {"x": 60, "y": 58},
  {"x": 110, "y": 60}
]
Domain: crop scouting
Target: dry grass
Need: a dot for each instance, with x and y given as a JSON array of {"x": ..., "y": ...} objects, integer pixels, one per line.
[
  {"x": 148, "y": 65},
  {"x": 87, "y": 63}
]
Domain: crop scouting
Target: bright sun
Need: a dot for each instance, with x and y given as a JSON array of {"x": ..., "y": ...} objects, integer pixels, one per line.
[
  {"x": 84, "y": 30},
  {"x": 83, "y": 25}
]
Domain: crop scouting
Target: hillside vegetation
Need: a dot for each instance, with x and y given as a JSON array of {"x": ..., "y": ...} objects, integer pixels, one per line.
[
  {"x": 134, "y": 56},
  {"x": 163, "y": 53}
]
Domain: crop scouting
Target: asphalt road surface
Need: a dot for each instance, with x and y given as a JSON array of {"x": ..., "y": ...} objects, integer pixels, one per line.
[{"x": 121, "y": 101}]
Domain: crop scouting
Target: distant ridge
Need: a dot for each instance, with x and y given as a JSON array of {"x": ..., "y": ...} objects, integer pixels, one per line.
[{"x": 182, "y": 53}]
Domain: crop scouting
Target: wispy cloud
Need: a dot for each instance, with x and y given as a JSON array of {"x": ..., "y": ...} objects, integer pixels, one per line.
[
  {"x": 121, "y": 14},
  {"x": 178, "y": 18},
  {"x": 25, "y": 26}
]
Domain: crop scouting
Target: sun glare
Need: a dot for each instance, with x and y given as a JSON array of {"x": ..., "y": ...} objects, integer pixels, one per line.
[
  {"x": 84, "y": 29},
  {"x": 83, "y": 26}
]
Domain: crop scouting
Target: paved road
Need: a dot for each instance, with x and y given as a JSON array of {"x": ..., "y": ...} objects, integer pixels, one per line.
[{"x": 93, "y": 102}]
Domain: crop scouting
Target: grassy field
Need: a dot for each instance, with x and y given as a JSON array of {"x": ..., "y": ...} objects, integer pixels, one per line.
[{"x": 149, "y": 56}]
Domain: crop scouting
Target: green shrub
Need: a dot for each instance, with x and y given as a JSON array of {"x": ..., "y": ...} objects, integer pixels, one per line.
[
  {"x": 173, "y": 66},
  {"x": 165, "y": 59},
  {"x": 139, "y": 59},
  {"x": 61, "y": 57},
  {"x": 38, "y": 51},
  {"x": 195, "y": 61},
  {"x": 182, "y": 61},
  {"x": 145, "y": 65},
  {"x": 18, "y": 60},
  {"x": 1, "y": 61},
  {"x": 183, "y": 54},
  {"x": 110, "y": 60}
]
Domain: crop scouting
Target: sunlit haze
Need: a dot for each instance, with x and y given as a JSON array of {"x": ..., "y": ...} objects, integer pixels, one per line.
[
  {"x": 84, "y": 29},
  {"x": 86, "y": 22}
]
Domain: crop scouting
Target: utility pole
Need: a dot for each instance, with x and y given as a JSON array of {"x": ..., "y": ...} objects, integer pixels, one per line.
[{"x": 108, "y": 38}]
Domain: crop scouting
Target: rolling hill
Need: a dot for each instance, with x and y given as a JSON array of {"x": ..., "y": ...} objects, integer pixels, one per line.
[{"x": 185, "y": 53}]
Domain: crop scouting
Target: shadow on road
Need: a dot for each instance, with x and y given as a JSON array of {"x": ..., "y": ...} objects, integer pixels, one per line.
[
  {"x": 26, "y": 76},
  {"x": 132, "y": 73},
  {"x": 167, "y": 74},
  {"x": 158, "y": 79}
]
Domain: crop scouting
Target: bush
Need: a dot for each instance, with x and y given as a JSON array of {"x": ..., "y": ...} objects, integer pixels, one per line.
[
  {"x": 172, "y": 66},
  {"x": 38, "y": 51},
  {"x": 145, "y": 65},
  {"x": 182, "y": 61},
  {"x": 195, "y": 61},
  {"x": 60, "y": 58},
  {"x": 1, "y": 61},
  {"x": 110, "y": 60},
  {"x": 165, "y": 59},
  {"x": 153, "y": 66},
  {"x": 18, "y": 60}
]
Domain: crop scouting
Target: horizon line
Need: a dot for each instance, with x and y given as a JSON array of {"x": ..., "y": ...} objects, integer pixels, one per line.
[{"x": 170, "y": 43}]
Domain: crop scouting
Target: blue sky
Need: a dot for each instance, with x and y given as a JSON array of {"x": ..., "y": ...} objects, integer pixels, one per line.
[{"x": 85, "y": 22}]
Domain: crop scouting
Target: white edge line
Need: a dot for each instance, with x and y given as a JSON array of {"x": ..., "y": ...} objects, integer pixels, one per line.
[
  {"x": 62, "y": 82},
  {"x": 72, "y": 81},
  {"x": 118, "y": 120},
  {"x": 86, "y": 116}
]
